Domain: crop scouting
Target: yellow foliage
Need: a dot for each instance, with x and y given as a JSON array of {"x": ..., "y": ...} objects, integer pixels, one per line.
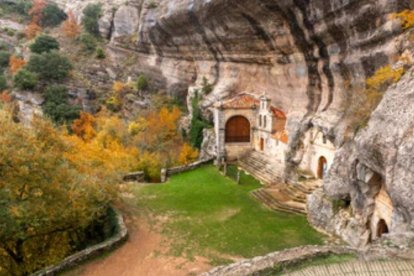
[
  {"x": 187, "y": 154},
  {"x": 84, "y": 126},
  {"x": 119, "y": 87},
  {"x": 385, "y": 76},
  {"x": 407, "y": 18}
]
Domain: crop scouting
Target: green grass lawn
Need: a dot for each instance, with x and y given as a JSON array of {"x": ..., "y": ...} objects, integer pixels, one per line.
[{"x": 210, "y": 215}]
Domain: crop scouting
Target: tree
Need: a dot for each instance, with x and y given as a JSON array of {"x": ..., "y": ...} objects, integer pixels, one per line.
[
  {"x": 89, "y": 42},
  {"x": 57, "y": 107},
  {"x": 36, "y": 11},
  {"x": 50, "y": 66},
  {"x": 84, "y": 126},
  {"x": 197, "y": 124},
  {"x": 50, "y": 191},
  {"x": 142, "y": 83},
  {"x": 4, "y": 59},
  {"x": 44, "y": 43},
  {"x": 3, "y": 82},
  {"x": 71, "y": 27},
  {"x": 52, "y": 15},
  {"x": 187, "y": 154},
  {"x": 25, "y": 80},
  {"x": 32, "y": 30},
  {"x": 91, "y": 15},
  {"x": 16, "y": 63}
]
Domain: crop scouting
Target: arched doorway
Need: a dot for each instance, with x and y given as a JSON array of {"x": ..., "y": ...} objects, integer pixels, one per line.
[
  {"x": 238, "y": 130},
  {"x": 322, "y": 167},
  {"x": 262, "y": 144},
  {"x": 382, "y": 228}
]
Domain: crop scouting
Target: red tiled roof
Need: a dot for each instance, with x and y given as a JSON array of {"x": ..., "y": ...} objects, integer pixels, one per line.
[
  {"x": 282, "y": 136},
  {"x": 241, "y": 101},
  {"x": 278, "y": 113}
]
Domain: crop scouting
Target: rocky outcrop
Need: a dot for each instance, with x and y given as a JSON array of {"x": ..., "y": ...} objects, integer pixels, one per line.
[
  {"x": 380, "y": 156},
  {"x": 309, "y": 57}
]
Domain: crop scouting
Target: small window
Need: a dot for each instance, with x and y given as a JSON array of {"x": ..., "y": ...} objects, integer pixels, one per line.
[
  {"x": 265, "y": 122},
  {"x": 260, "y": 120},
  {"x": 324, "y": 139}
]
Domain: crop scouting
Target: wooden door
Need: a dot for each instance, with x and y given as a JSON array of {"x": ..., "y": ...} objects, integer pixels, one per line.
[{"x": 238, "y": 130}]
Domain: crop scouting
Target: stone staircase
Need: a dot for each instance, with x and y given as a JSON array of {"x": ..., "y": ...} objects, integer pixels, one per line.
[
  {"x": 277, "y": 195},
  {"x": 262, "y": 167}
]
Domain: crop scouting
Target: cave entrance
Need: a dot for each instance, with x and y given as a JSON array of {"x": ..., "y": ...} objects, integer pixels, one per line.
[
  {"x": 382, "y": 228},
  {"x": 322, "y": 167}
]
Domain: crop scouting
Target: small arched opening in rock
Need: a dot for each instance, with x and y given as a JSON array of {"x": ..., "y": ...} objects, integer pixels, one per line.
[
  {"x": 322, "y": 167},
  {"x": 382, "y": 228}
]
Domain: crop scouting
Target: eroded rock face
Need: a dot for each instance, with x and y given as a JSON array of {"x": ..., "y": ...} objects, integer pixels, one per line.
[
  {"x": 308, "y": 56},
  {"x": 381, "y": 155}
]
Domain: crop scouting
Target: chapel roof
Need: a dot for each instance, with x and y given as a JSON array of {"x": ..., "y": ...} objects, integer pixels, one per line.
[
  {"x": 282, "y": 136},
  {"x": 247, "y": 101},
  {"x": 240, "y": 101}
]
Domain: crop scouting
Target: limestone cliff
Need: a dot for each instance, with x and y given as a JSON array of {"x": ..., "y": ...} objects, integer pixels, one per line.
[{"x": 309, "y": 56}]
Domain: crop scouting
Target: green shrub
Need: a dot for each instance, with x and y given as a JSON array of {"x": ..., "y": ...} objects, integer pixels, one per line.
[
  {"x": 207, "y": 87},
  {"x": 52, "y": 15},
  {"x": 50, "y": 66},
  {"x": 197, "y": 123},
  {"x": 89, "y": 42},
  {"x": 23, "y": 6},
  {"x": 91, "y": 15},
  {"x": 4, "y": 59},
  {"x": 113, "y": 104},
  {"x": 100, "y": 53},
  {"x": 57, "y": 107},
  {"x": 25, "y": 80},
  {"x": 44, "y": 43},
  {"x": 142, "y": 83},
  {"x": 3, "y": 82},
  {"x": 152, "y": 5}
]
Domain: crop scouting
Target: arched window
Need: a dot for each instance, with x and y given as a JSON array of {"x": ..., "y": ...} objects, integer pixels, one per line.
[
  {"x": 265, "y": 121},
  {"x": 260, "y": 121},
  {"x": 238, "y": 130}
]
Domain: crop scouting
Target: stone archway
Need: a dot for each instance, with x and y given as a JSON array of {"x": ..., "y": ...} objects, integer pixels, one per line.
[
  {"x": 238, "y": 130},
  {"x": 382, "y": 228},
  {"x": 322, "y": 167}
]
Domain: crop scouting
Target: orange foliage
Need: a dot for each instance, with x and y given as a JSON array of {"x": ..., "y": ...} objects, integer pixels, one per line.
[
  {"x": 119, "y": 87},
  {"x": 406, "y": 17},
  {"x": 36, "y": 11},
  {"x": 5, "y": 97},
  {"x": 16, "y": 64},
  {"x": 32, "y": 30},
  {"x": 71, "y": 27},
  {"x": 84, "y": 126}
]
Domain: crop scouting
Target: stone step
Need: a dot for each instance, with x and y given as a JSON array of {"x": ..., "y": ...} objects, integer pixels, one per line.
[{"x": 272, "y": 203}]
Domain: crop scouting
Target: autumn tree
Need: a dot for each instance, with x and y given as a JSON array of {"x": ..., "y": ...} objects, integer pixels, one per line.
[
  {"x": 84, "y": 126},
  {"x": 187, "y": 154},
  {"x": 48, "y": 193},
  {"x": 16, "y": 63},
  {"x": 36, "y": 14},
  {"x": 71, "y": 27}
]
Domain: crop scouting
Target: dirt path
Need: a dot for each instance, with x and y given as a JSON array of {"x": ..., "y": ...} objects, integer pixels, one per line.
[{"x": 143, "y": 254}]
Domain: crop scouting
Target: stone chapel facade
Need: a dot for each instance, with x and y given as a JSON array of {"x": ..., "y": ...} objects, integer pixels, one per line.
[{"x": 245, "y": 123}]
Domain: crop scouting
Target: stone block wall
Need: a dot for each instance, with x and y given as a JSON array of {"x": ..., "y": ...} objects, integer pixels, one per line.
[
  {"x": 292, "y": 256},
  {"x": 90, "y": 252}
]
